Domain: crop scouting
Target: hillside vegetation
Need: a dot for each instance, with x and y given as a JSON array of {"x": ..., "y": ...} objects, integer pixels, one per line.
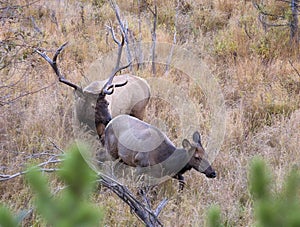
[{"x": 255, "y": 65}]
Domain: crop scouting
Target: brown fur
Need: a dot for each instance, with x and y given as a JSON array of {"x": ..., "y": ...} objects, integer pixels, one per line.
[
  {"x": 131, "y": 98},
  {"x": 139, "y": 144}
]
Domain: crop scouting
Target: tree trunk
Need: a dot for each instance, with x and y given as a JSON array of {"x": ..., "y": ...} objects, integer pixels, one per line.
[{"x": 294, "y": 22}]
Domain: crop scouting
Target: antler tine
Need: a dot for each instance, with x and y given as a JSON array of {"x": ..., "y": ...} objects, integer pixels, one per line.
[
  {"x": 108, "y": 85},
  {"x": 58, "y": 51},
  {"x": 118, "y": 42},
  {"x": 111, "y": 88},
  {"x": 53, "y": 64},
  {"x": 116, "y": 71},
  {"x": 121, "y": 68}
]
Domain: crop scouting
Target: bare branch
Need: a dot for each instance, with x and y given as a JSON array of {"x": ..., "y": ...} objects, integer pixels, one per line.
[
  {"x": 123, "y": 26},
  {"x": 286, "y": 1},
  {"x": 36, "y": 28},
  {"x": 53, "y": 159},
  {"x": 272, "y": 25},
  {"x": 161, "y": 205},
  {"x": 50, "y": 161},
  {"x": 153, "y": 35},
  {"x": 2, "y": 103},
  {"x": 294, "y": 22},
  {"x": 118, "y": 42},
  {"x": 19, "y": 6},
  {"x": 174, "y": 39},
  {"x": 264, "y": 14},
  {"x": 247, "y": 31},
  {"x": 56, "y": 146},
  {"x": 143, "y": 212},
  {"x": 138, "y": 49},
  {"x": 262, "y": 11},
  {"x": 296, "y": 70}
]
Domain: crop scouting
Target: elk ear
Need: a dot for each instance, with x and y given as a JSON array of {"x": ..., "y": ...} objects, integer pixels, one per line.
[
  {"x": 197, "y": 137},
  {"x": 186, "y": 144}
]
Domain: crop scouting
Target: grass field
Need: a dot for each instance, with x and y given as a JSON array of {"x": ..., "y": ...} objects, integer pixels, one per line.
[{"x": 256, "y": 69}]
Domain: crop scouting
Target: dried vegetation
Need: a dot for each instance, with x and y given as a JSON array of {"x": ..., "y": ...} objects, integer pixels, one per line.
[{"x": 255, "y": 68}]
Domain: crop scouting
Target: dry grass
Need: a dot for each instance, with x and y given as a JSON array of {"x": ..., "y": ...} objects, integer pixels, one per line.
[{"x": 260, "y": 87}]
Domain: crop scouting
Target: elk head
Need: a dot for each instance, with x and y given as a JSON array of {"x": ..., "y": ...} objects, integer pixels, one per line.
[{"x": 198, "y": 159}]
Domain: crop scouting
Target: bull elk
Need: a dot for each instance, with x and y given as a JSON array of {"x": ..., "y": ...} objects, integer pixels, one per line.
[
  {"x": 141, "y": 145},
  {"x": 91, "y": 106}
]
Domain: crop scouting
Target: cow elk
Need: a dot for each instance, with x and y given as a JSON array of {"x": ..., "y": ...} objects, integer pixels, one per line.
[{"x": 141, "y": 145}]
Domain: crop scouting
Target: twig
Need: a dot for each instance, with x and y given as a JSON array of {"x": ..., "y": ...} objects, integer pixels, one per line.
[
  {"x": 261, "y": 11},
  {"x": 138, "y": 49},
  {"x": 2, "y": 103},
  {"x": 272, "y": 25},
  {"x": 56, "y": 146},
  {"x": 35, "y": 26},
  {"x": 124, "y": 28},
  {"x": 147, "y": 204},
  {"x": 109, "y": 27},
  {"x": 296, "y": 70},
  {"x": 119, "y": 43},
  {"x": 174, "y": 39},
  {"x": 51, "y": 160},
  {"x": 153, "y": 34},
  {"x": 9, "y": 177},
  {"x": 160, "y": 206},
  {"x": 19, "y": 6}
]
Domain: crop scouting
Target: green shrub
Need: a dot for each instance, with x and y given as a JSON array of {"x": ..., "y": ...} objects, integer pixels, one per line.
[
  {"x": 214, "y": 217},
  {"x": 274, "y": 209},
  {"x": 71, "y": 206},
  {"x": 270, "y": 208},
  {"x": 6, "y": 218}
]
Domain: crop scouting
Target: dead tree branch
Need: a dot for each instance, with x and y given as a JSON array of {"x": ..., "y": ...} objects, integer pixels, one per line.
[
  {"x": 52, "y": 160},
  {"x": 56, "y": 146},
  {"x": 174, "y": 38},
  {"x": 142, "y": 210},
  {"x": 123, "y": 26},
  {"x": 281, "y": 20},
  {"x": 296, "y": 70},
  {"x": 138, "y": 49},
  {"x": 119, "y": 43},
  {"x": 19, "y": 6},
  {"x": 153, "y": 35},
  {"x": 3, "y": 103}
]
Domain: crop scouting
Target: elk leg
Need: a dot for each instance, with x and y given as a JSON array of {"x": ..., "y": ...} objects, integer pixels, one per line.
[
  {"x": 180, "y": 178},
  {"x": 139, "y": 109}
]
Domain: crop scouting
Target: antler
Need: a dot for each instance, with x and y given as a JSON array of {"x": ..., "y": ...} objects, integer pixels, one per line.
[
  {"x": 108, "y": 85},
  {"x": 53, "y": 64}
]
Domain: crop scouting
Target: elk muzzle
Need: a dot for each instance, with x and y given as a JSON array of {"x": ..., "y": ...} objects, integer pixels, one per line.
[
  {"x": 206, "y": 169},
  {"x": 210, "y": 172}
]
